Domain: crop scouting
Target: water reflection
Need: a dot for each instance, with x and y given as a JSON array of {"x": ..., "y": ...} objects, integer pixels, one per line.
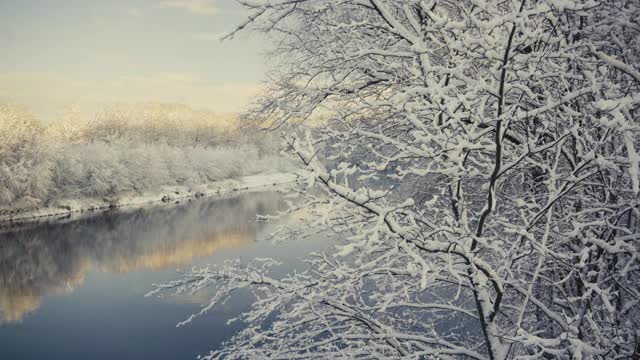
[{"x": 55, "y": 258}]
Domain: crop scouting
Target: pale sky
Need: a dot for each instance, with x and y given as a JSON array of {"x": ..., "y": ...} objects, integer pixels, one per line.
[{"x": 94, "y": 52}]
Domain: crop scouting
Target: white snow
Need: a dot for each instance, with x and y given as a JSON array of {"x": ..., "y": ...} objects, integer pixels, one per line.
[{"x": 167, "y": 194}]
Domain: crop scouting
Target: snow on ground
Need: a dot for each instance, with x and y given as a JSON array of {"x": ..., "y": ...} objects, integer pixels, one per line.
[{"x": 167, "y": 194}]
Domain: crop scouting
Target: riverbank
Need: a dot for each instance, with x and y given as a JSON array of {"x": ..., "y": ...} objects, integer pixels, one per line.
[{"x": 167, "y": 194}]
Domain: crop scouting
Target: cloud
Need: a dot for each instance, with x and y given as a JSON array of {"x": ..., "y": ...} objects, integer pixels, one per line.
[
  {"x": 209, "y": 36},
  {"x": 200, "y": 7},
  {"x": 134, "y": 12},
  {"x": 46, "y": 94}
]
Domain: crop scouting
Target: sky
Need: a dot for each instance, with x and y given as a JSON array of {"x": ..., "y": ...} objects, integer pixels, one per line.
[{"x": 90, "y": 53}]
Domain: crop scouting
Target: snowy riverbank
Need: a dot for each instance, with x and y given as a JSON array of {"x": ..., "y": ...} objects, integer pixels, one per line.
[{"x": 167, "y": 194}]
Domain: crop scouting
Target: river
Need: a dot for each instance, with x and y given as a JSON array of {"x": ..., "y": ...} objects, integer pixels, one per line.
[{"x": 75, "y": 289}]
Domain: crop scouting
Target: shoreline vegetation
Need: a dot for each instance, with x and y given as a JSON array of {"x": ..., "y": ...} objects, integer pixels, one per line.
[
  {"x": 127, "y": 154},
  {"x": 66, "y": 208}
]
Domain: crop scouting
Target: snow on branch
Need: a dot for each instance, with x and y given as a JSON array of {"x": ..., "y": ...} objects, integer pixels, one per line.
[{"x": 475, "y": 165}]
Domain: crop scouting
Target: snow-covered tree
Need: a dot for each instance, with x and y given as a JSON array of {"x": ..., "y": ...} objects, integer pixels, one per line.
[{"x": 479, "y": 172}]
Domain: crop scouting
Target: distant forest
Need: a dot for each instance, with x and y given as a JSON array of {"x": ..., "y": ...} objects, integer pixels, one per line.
[{"x": 124, "y": 148}]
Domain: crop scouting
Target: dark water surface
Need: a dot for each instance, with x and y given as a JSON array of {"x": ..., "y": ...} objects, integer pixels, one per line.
[{"x": 75, "y": 290}]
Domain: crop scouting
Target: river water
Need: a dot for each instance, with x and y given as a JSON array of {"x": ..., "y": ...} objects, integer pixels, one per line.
[{"x": 75, "y": 290}]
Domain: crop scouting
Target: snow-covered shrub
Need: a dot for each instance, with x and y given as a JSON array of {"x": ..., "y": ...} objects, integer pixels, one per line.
[
  {"x": 131, "y": 148},
  {"x": 108, "y": 168},
  {"x": 25, "y": 171},
  {"x": 175, "y": 124},
  {"x": 72, "y": 126}
]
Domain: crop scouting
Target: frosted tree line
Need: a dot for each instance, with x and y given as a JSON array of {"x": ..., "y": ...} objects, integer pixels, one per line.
[
  {"x": 124, "y": 148},
  {"x": 479, "y": 170}
]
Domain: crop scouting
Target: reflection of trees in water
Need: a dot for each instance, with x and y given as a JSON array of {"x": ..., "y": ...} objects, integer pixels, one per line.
[{"x": 54, "y": 258}]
